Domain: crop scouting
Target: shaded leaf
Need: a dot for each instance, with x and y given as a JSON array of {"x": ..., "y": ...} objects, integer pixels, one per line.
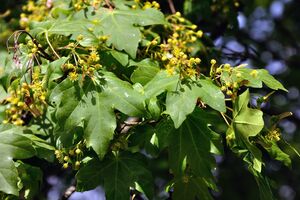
[
  {"x": 117, "y": 172},
  {"x": 12, "y": 146},
  {"x": 31, "y": 178},
  {"x": 190, "y": 188},
  {"x": 192, "y": 140}
]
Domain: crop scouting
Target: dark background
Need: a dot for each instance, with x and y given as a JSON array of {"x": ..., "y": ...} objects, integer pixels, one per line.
[{"x": 262, "y": 33}]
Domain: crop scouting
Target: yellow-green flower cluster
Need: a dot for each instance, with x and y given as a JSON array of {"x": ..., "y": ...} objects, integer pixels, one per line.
[
  {"x": 34, "y": 11},
  {"x": 175, "y": 52},
  {"x": 26, "y": 98},
  {"x": 82, "y": 4},
  {"x": 231, "y": 78},
  {"x": 273, "y": 135},
  {"x": 70, "y": 157},
  {"x": 85, "y": 64},
  {"x": 149, "y": 4},
  {"x": 32, "y": 48},
  {"x": 145, "y": 5}
]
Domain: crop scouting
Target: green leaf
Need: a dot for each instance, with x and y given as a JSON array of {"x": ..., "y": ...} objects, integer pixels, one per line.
[
  {"x": 279, "y": 155},
  {"x": 270, "y": 81},
  {"x": 31, "y": 178},
  {"x": 121, "y": 26},
  {"x": 190, "y": 188},
  {"x": 154, "y": 108},
  {"x": 275, "y": 151},
  {"x": 163, "y": 131},
  {"x": 210, "y": 94},
  {"x": 253, "y": 80},
  {"x": 117, "y": 172},
  {"x": 12, "y": 146},
  {"x": 3, "y": 93},
  {"x": 191, "y": 161},
  {"x": 192, "y": 140},
  {"x": 145, "y": 72},
  {"x": 122, "y": 58},
  {"x": 92, "y": 107},
  {"x": 66, "y": 27},
  {"x": 144, "y": 137},
  {"x": 54, "y": 71},
  {"x": 187, "y": 7},
  {"x": 8, "y": 177},
  {"x": 160, "y": 83},
  {"x": 263, "y": 184},
  {"x": 43, "y": 149},
  {"x": 247, "y": 122},
  {"x": 181, "y": 103}
]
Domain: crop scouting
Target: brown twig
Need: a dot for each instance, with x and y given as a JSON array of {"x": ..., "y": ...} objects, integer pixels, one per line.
[
  {"x": 16, "y": 36},
  {"x": 108, "y": 3},
  {"x": 68, "y": 192},
  {"x": 172, "y": 7},
  {"x": 128, "y": 124},
  {"x": 7, "y": 13}
]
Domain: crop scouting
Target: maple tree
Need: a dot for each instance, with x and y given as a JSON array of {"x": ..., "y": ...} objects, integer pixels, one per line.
[{"x": 105, "y": 88}]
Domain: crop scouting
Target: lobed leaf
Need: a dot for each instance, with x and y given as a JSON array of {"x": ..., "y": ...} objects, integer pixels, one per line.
[
  {"x": 118, "y": 172},
  {"x": 92, "y": 107}
]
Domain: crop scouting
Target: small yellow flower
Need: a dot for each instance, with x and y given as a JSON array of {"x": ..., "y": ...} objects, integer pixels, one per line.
[
  {"x": 223, "y": 88},
  {"x": 213, "y": 61},
  {"x": 191, "y": 72},
  {"x": 170, "y": 70},
  {"x": 65, "y": 165},
  {"x": 229, "y": 92},
  {"x": 254, "y": 73},
  {"x": 193, "y": 26},
  {"x": 77, "y": 151},
  {"x": 79, "y": 37},
  {"x": 77, "y": 165},
  {"x": 199, "y": 33},
  {"x": 197, "y": 60},
  {"x": 94, "y": 57},
  {"x": 238, "y": 75},
  {"x": 73, "y": 76},
  {"x": 18, "y": 122},
  {"x": 178, "y": 14},
  {"x": 66, "y": 158}
]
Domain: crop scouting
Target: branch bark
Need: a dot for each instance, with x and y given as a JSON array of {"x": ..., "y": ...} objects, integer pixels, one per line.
[
  {"x": 68, "y": 192},
  {"x": 172, "y": 7}
]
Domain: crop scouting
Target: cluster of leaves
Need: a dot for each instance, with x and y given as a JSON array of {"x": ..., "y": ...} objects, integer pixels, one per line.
[{"x": 110, "y": 87}]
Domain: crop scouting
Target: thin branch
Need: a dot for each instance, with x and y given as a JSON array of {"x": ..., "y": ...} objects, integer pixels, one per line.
[
  {"x": 128, "y": 124},
  {"x": 68, "y": 192},
  {"x": 172, "y": 7},
  {"x": 229, "y": 108},
  {"x": 223, "y": 115},
  {"x": 7, "y": 13},
  {"x": 108, "y": 3},
  {"x": 51, "y": 47},
  {"x": 16, "y": 36}
]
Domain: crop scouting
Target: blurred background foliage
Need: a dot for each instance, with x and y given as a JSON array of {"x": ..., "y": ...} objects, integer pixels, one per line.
[{"x": 262, "y": 33}]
